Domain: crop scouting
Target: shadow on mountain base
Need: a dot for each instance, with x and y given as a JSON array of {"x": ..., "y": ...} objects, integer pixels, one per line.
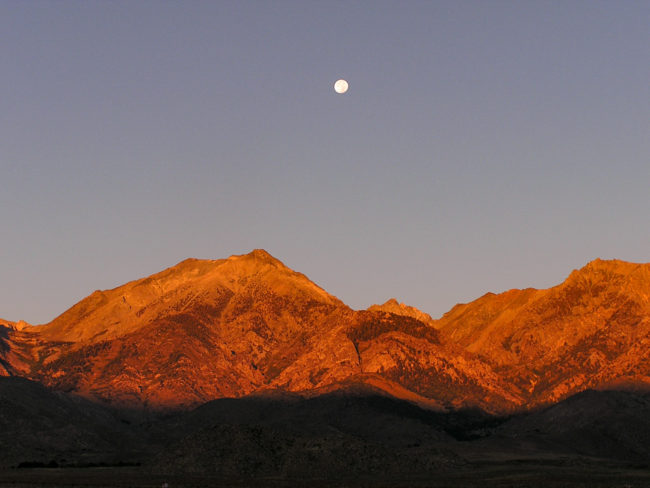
[{"x": 596, "y": 438}]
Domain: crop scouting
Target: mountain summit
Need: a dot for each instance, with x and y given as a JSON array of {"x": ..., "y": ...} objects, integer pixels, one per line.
[
  {"x": 393, "y": 306},
  {"x": 199, "y": 330},
  {"x": 210, "y": 285}
]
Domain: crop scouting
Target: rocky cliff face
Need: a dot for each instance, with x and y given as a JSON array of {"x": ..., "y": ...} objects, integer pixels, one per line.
[
  {"x": 204, "y": 329},
  {"x": 13, "y": 348},
  {"x": 592, "y": 331}
]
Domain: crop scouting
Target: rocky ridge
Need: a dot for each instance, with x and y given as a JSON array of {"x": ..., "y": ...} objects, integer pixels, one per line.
[
  {"x": 208, "y": 329},
  {"x": 591, "y": 331}
]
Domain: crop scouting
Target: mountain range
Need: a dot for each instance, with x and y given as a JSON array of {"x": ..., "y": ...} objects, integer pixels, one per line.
[
  {"x": 249, "y": 331},
  {"x": 203, "y": 330}
]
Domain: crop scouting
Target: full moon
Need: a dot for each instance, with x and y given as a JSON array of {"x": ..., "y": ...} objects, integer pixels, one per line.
[{"x": 341, "y": 86}]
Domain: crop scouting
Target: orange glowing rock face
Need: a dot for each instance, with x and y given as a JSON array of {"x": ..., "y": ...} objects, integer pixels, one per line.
[
  {"x": 393, "y": 306},
  {"x": 248, "y": 324},
  {"x": 591, "y": 331}
]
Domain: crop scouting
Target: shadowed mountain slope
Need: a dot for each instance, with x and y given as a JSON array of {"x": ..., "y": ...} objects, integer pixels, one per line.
[
  {"x": 38, "y": 425},
  {"x": 345, "y": 434},
  {"x": 363, "y": 434},
  {"x": 329, "y": 436},
  {"x": 602, "y": 424}
]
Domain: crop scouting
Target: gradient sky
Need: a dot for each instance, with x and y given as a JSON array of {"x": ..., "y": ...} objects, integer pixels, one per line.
[{"x": 482, "y": 145}]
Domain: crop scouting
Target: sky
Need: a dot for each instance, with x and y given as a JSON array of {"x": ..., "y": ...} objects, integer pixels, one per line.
[{"x": 482, "y": 145}]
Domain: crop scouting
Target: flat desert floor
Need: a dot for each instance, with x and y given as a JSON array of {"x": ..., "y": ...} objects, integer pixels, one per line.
[{"x": 510, "y": 475}]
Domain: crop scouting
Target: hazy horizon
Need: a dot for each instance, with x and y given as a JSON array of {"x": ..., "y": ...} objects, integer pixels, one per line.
[{"x": 480, "y": 147}]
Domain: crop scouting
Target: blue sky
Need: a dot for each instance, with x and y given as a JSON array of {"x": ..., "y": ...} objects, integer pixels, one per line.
[{"x": 482, "y": 146}]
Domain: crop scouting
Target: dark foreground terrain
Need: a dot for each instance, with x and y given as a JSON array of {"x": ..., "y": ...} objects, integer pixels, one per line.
[
  {"x": 516, "y": 474},
  {"x": 355, "y": 437}
]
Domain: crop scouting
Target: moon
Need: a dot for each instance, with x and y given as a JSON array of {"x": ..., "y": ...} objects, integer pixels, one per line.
[{"x": 341, "y": 86}]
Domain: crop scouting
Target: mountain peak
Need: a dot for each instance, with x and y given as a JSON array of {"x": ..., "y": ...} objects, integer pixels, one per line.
[
  {"x": 258, "y": 256},
  {"x": 20, "y": 325},
  {"x": 262, "y": 255},
  {"x": 255, "y": 257},
  {"x": 393, "y": 306},
  {"x": 615, "y": 265},
  {"x": 225, "y": 287},
  {"x": 600, "y": 270}
]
